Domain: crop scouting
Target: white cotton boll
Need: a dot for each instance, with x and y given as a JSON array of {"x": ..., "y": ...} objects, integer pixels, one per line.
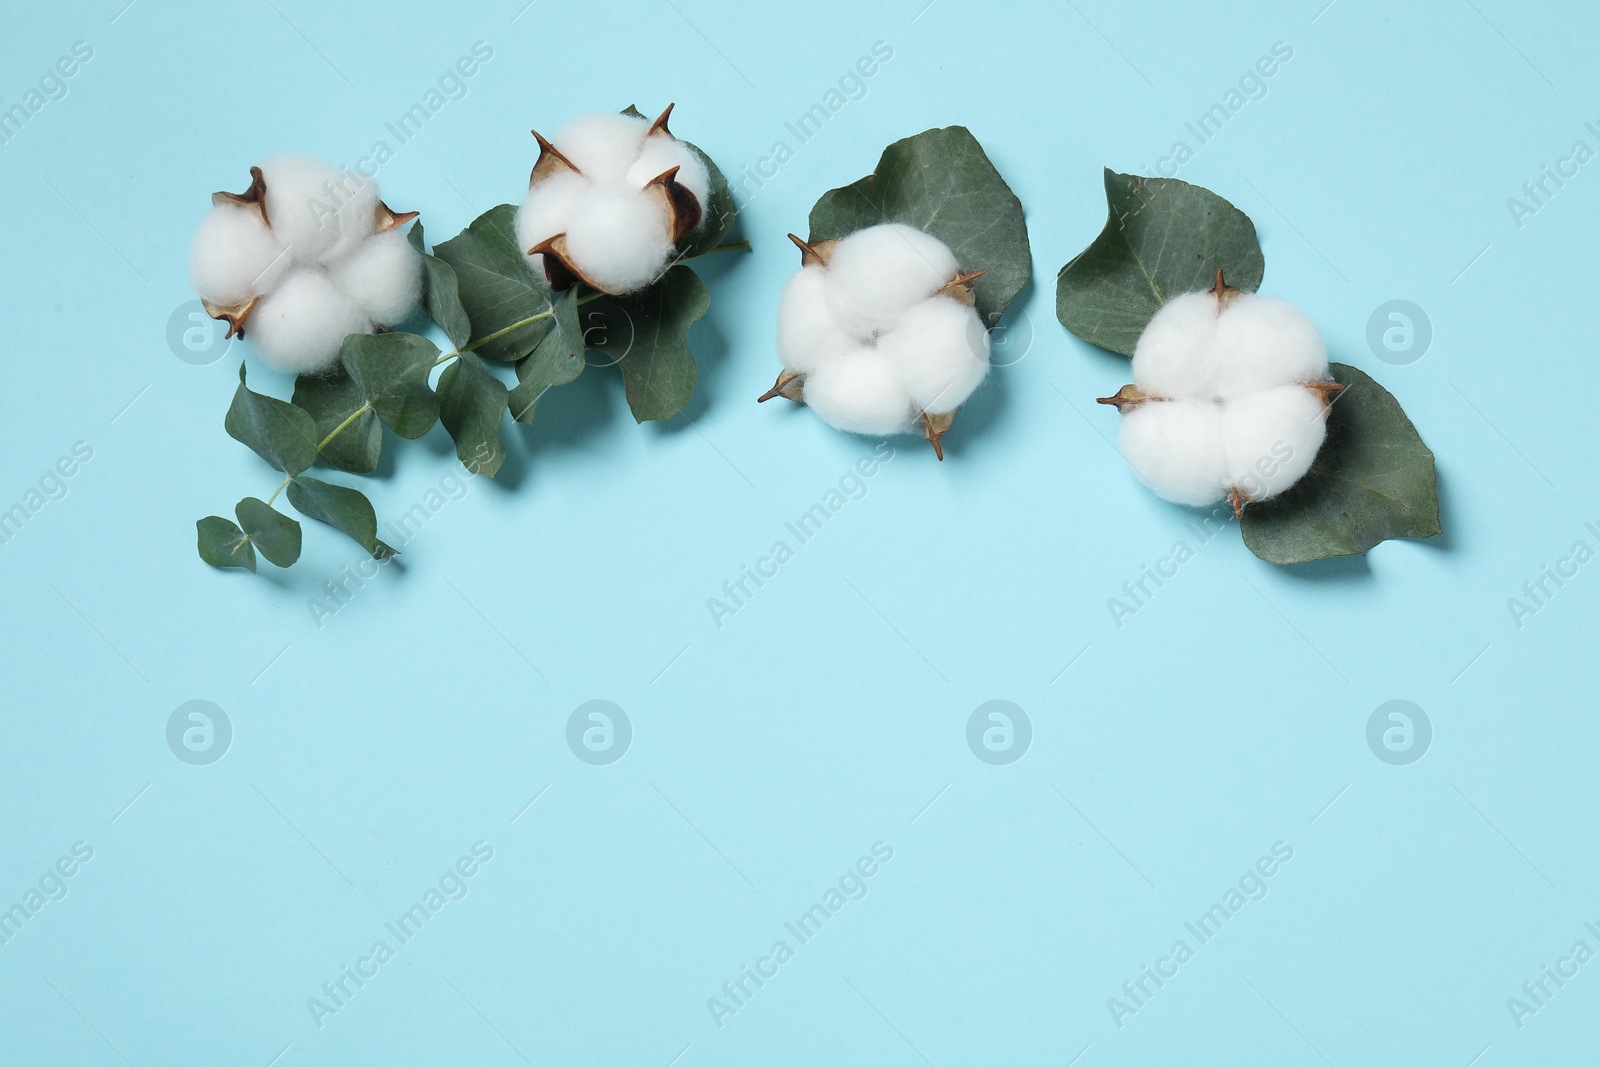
[
  {"x": 661, "y": 154},
  {"x": 234, "y": 257},
  {"x": 603, "y": 146},
  {"x": 859, "y": 392},
  {"x": 807, "y": 332},
  {"x": 618, "y": 237},
  {"x": 1271, "y": 439},
  {"x": 547, "y": 210},
  {"x": 1176, "y": 355},
  {"x": 383, "y": 276},
  {"x": 941, "y": 352},
  {"x": 298, "y": 327},
  {"x": 881, "y": 271},
  {"x": 1175, "y": 448},
  {"x": 317, "y": 209},
  {"x": 1263, "y": 342}
]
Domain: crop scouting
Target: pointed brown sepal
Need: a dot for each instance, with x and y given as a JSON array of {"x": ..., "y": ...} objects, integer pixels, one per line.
[
  {"x": 683, "y": 209},
  {"x": 385, "y": 219},
  {"x": 1238, "y": 500},
  {"x": 789, "y": 385},
  {"x": 558, "y": 269},
  {"x": 1127, "y": 397},
  {"x": 255, "y": 196},
  {"x": 814, "y": 254},
  {"x": 960, "y": 287},
  {"x": 550, "y": 161},
  {"x": 1223, "y": 291},
  {"x": 934, "y": 427},
  {"x": 660, "y": 124},
  {"x": 234, "y": 316}
]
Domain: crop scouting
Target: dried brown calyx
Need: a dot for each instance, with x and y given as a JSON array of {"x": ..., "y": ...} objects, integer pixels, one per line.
[{"x": 681, "y": 208}]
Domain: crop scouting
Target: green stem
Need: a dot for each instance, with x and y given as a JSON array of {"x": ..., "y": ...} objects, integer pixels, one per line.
[
  {"x": 335, "y": 432},
  {"x": 345, "y": 425}
]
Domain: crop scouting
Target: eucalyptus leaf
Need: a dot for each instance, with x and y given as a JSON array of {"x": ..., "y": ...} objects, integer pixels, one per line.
[
  {"x": 441, "y": 293},
  {"x": 390, "y": 371},
  {"x": 1163, "y": 237},
  {"x": 942, "y": 183},
  {"x": 277, "y": 431},
  {"x": 646, "y": 334},
  {"x": 222, "y": 544},
  {"x": 472, "y": 404},
  {"x": 1373, "y": 480},
  {"x": 498, "y": 289},
  {"x": 342, "y": 508},
  {"x": 331, "y": 399},
  {"x": 275, "y": 534},
  {"x": 556, "y": 361}
]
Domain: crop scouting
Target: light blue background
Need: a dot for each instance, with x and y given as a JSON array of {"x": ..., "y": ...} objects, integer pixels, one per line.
[{"x": 830, "y": 712}]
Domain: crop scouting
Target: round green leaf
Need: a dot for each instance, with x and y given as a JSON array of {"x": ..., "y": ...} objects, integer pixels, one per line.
[
  {"x": 941, "y": 182},
  {"x": 390, "y": 371},
  {"x": 556, "y": 361},
  {"x": 1163, "y": 237},
  {"x": 331, "y": 399},
  {"x": 441, "y": 293},
  {"x": 1373, "y": 480},
  {"x": 472, "y": 404},
  {"x": 342, "y": 508},
  {"x": 499, "y": 291},
  {"x": 275, "y": 534},
  {"x": 275, "y": 430},
  {"x": 646, "y": 334},
  {"x": 222, "y": 544}
]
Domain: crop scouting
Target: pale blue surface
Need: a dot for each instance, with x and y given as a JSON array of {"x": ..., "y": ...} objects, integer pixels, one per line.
[{"x": 826, "y": 715}]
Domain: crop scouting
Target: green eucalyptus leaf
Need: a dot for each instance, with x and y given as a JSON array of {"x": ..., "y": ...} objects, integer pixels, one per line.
[
  {"x": 942, "y": 183},
  {"x": 646, "y": 334},
  {"x": 275, "y": 534},
  {"x": 472, "y": 403},
  {"x": 277, "y": 431},
  {"x": 331, "y": 399},
  {"x": 1373, "y": 480},
  {"x": 390, "y": 371},
  {"x": 441, "y": 293},
  {"x": 557, "y": 360},
  {"x": 342, "y": 508},
  {"x": 222, "y": 544},
  {"x": 1163, "y": 237},
  {"x": 497, "y": 287}
]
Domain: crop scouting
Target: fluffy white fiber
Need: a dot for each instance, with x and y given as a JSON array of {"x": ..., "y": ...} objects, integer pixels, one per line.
[
  {"x": 320, "y": 269},
  {"x": 618, "y": 231},
  {"x": 299, "y": 326},
  {"x": 877, "y": 341},
  {"x": 1175, "y": 448},
  {"x": 1230, "y": 408},
  {"x": 618, "y": 236},
  {"x": 235, "y": 256}
]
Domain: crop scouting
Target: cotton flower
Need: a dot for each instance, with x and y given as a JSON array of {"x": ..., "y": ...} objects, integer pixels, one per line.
[
  {"x": 303, "y": 258},
  {"x": 1230, "y": 398},
  {"x": 878, "y": 335},
  {"x": 609, "y": 200}
]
